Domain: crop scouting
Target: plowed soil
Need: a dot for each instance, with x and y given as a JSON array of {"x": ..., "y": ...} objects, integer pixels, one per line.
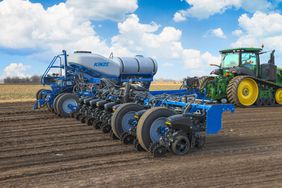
[{"x": 39, "y": 149}]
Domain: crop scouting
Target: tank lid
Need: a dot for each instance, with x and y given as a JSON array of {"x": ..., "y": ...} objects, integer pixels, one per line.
[{"x": 82, "y": 52}]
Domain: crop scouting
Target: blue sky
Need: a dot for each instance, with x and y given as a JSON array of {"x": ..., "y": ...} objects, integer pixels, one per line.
[{"x": 184, "y": 36}]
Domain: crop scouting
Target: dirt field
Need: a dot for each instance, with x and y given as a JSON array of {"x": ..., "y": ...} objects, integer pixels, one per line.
[{"x": 38, "y": 149}]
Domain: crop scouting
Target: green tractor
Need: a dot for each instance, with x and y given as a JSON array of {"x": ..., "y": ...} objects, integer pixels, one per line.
[{"x": 242, "y": 80}]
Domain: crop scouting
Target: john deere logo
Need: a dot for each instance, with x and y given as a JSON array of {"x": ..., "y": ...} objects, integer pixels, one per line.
[{"x": 101, "y": 64}]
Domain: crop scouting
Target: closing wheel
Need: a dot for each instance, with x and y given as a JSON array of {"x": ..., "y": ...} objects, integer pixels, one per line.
[
  {"x": 123, "y": 117},
  {"x": 106, "y": 128},
  {"x": 50, "y": 108},
  {"x": 150, "y": 125},
  {"x": 181, "y": 145},
  {"x": 278, "y": 96},
  {"x": 78, "y": 116},
  {"x": 90, "y": 121},
  {"x": 242, "y": 91},
  {"x": 113, "y": 136},
  {"x": 67, "y": 104},
  {"x": 83, "y": 119},
  {"x": 137, "y": 146},
  {"x": 127, "y": 138},
  {"x": 97, "y": 125}
]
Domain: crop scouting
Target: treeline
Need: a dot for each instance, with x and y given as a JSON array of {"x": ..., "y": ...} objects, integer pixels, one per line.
[{"x": 27, "y": 80}]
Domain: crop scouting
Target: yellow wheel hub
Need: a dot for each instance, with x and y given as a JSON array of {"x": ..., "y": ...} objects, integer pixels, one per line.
[
  {"x": 248, "y": 92},
  {"x": 278, "y": 96}
]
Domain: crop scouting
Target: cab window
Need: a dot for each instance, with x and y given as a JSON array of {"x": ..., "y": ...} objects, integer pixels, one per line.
[
  {"x": 230, "y": 60},
  {"x": 249, "y": 60}
]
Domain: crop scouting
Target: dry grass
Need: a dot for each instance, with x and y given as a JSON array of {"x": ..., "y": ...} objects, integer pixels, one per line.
[
  {"x": 24, "y": 93},
  {"x": 164, "y": 86},
  {"x": 18, "y": 93}
]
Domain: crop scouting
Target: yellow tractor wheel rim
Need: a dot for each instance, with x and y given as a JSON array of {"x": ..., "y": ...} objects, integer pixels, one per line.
[
  {"x": 248, "y": 92},
  {"x": 278, "y": 96}
]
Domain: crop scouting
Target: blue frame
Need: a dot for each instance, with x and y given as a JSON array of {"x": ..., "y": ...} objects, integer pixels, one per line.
[{"x": 214, "y": 113}]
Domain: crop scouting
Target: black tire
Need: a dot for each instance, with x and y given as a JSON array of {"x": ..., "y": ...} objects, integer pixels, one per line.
[
  {"x": 78, "y": 116},
  {"x": 181, "y": 145},
  {"x": 83, "y": 119},
  {"x": 90, "y": 121},
  {"x": 127, "y": 138},
  {"x": 137, "y": 146},
  {"x": 60, "y": 108},
  {"x": 113, "y": 136},
  {"x": 145, "y": 123},
  {"x": 203, "y": 81},
  {"x": 97, "y": 125},
  {"x": 106, "y": 128},
  {"x": 118, "y": 115},
  {"x": 55, "y": 103},
  {"x": 50, "y": 108}
]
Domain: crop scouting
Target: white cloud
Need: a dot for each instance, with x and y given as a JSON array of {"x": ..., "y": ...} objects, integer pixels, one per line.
[
  {"x": 237, "y": 32},
  {"x": 194, "y": 59},
  {"x": 261, "y": 28},
  {"x": 102, "y": 9},
  {"x": 16, "y": 70},
  {"x": 205, "y": 8},
  {"x": 218, "y": 33},
  {"x": 179, "y": 17},
  {"x": 163, "y": 44},
  {"x": 29, "y": 26},
  {"x": 168, "y": 64},
  {"x": 137, "y": 38}
]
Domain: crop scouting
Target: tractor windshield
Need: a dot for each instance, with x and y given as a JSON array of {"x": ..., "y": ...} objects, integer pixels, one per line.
[
  {"x": 230, "y": 60},
  {"x": 249, "y": 60}
]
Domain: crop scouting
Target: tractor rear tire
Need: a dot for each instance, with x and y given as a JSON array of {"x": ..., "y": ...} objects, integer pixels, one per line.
[
  {"x": 63, "y": 102},
  {"x": 243, "y": 91},
  {"x": 152, "y": 116},
  {"x": 278, "y": 96},
  {"x": 118, "y": 117}
]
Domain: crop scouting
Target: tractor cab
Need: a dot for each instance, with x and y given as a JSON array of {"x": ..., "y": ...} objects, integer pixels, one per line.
[
  {"x": 239, "y": 61},
  {"x": 246, "y": 61}
]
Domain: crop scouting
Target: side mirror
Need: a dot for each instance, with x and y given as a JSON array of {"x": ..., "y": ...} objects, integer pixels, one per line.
[{"x": 215, "y": 65}]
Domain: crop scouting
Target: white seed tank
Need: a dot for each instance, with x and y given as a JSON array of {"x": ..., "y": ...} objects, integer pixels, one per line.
[{"x": 113, "y": 67}]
